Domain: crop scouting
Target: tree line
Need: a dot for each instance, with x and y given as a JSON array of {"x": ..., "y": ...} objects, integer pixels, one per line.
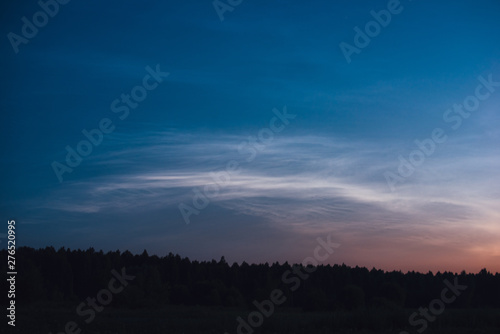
[{"x": 66, "y": 275}]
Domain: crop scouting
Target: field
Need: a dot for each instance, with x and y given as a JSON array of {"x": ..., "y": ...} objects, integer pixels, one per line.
[{"x": 52, "y": 318}]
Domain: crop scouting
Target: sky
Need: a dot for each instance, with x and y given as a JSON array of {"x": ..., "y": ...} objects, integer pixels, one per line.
[{"x": 248, "y": 129}]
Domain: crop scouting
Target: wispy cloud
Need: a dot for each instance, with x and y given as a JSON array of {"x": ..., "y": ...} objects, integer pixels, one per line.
[{"x": 298, "y": 178}]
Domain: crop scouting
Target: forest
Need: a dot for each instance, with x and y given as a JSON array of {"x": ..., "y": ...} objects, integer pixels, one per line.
[{"x": 82, "y": 280}]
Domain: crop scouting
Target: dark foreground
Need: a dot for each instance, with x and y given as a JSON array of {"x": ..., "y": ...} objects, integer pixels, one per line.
[
  {"x": 76, "y": 292},
  {"x": 52, "y": 318}
]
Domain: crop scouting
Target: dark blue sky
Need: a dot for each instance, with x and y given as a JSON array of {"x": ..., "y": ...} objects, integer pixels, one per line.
[{"x": 327, "y": 171}]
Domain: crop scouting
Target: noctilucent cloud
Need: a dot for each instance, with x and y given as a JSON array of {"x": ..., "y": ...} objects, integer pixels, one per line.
[{"x": 247, "y": 129}]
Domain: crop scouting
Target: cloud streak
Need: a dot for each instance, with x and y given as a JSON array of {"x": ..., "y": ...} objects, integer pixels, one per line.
[{"x": 304, "y": 184}]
